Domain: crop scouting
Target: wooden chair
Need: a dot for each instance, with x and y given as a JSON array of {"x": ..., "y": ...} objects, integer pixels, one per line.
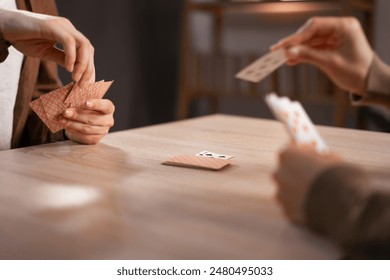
[{"x": 211, "y": 76}]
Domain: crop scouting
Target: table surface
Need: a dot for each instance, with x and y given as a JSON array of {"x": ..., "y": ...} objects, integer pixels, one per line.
[{"x": 115, "y": 200}]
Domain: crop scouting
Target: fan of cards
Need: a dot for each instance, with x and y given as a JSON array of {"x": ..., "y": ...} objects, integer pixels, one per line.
[
  {"x": 297, "y": 122},
  {"x": 50, "y": 107}
]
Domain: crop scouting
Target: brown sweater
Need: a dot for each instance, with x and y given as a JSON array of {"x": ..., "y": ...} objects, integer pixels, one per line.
[
  {"x": 348, "y": 205},
  {"x": 37, "y": 77}
]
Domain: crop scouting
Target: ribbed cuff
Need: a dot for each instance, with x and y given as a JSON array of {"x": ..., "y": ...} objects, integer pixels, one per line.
[{"x": 378, "y": 86}]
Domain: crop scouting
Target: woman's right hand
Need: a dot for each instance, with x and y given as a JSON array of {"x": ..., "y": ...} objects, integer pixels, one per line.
[
  {"x": 37, "y": 35},
  {"x": 337, "y": 45}
]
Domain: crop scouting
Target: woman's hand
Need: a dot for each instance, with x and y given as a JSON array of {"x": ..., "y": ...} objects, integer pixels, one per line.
[
  {"x": 298, "y": 168},
  {"x": 38, "y": 35},
  {"x": 337, "y": 45}
]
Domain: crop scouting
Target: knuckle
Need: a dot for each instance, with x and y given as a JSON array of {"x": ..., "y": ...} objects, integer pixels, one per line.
[
  {"x": 313, "y": 20},
  {"x": 86, "y": 128},
  {"x": 64, "y": 20},
  {"x": 91, "y": 119},
  {"x": 335, "y": 61},
  {"x": 69, "y": 39},
  {"x": 351, "y": 21}
]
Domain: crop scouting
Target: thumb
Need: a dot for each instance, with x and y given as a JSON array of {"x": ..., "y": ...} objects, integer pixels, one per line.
[{"x": 301, "y": 53}]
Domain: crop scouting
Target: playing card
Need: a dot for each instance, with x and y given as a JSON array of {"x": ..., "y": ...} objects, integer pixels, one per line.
[
  {"x": 296, "y": 120},
  {"x": 49, "y": 107},
  {"x": 304, "y": 130},
  {"x": 78, "y": 96},
  {"x": 213, "y": 155},
  {"x": 263, "y": 66},
  {"x": 197, "y": 162},
  {"x": 37, "y": 106},
  {"x": 53, "y": 102}
]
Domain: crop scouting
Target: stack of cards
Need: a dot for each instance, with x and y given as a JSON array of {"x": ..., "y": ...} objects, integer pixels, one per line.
[
  {"x": 49, "y": 107},
  {"x": 297, "y": 122}
]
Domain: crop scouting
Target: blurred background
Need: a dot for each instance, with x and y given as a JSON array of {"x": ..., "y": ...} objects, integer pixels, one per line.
[{"x": 175, "y": 59}]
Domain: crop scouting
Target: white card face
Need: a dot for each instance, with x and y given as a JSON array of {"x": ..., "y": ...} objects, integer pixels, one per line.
[
  {"x": 297, "y": 122},
  {"x": 263, "y": 66},
  {"x": 213, "y": 155}
]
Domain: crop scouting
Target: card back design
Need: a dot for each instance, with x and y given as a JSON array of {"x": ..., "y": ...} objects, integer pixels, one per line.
[
  {"x": 50, "y": 106},
  {"x": 78, "y": 96},
  {"x": 197, "y": 162}
]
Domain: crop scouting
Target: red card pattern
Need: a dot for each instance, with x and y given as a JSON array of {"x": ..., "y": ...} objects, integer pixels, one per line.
[
  {"x": 49, "y": 107},
  {"x": 78, "y": 96},
  {"x": 197, "y": 162}
]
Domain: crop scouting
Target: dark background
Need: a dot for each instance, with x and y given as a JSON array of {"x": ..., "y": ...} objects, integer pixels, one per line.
[{"x": 137, "y": 44}]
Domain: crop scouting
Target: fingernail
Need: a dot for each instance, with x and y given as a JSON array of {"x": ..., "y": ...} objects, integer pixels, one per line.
[
  {"x": 68, "y": 113},
  {"x": 89, "y": 104},
  {"x": 303, "y": 27},
  {"x": 276, "y": 44},
  {"x": 294, "y": 51}
]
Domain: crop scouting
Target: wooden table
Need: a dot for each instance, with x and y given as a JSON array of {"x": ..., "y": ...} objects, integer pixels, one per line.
[{"x": 115, "y": 200}]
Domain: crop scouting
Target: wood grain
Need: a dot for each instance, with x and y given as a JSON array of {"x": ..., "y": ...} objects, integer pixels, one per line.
[{"x": 115, "y": 200}]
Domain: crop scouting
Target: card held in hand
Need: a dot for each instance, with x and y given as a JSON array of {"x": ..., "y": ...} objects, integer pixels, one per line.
[
  {"x": 50, "y": 106},
  {"x": 297, "y": 122},
  {"x": 197, "y": 162},
  {"x": 263, "y": 66}
]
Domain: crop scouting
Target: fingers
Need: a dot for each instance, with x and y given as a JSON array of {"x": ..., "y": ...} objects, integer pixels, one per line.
[
  {"x": 79, "y": 52},
  {"x": 56, "y": 55},
  {"x": 103, "y": 106},
  {"x": 88, "y": 125},
  {"x": 87, "y": 129},
  {"x": 84, "y": 66},
  {"x": 81, "y": 138},
  {"x": 37, "y": 35},
  {"x": 305, "y": 32},
  {"x": 320, "y": 58},
  {"x": 89, "y": 117},
  {"x": 314, "y": 27},
  {"x": 85, "y": 73}
]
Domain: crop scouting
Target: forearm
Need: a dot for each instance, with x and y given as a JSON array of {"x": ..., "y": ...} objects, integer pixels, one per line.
[{"x": 345, "y": 205}]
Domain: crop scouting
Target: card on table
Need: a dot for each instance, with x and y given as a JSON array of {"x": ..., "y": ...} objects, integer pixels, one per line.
[
  {"x": 213, "y": 155},
  {"x": 49, "y": 107},
  {"x": 263, "y": 66},
  {"x": 296, "y": 120},
  {"x": 197, "y": 162}
]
